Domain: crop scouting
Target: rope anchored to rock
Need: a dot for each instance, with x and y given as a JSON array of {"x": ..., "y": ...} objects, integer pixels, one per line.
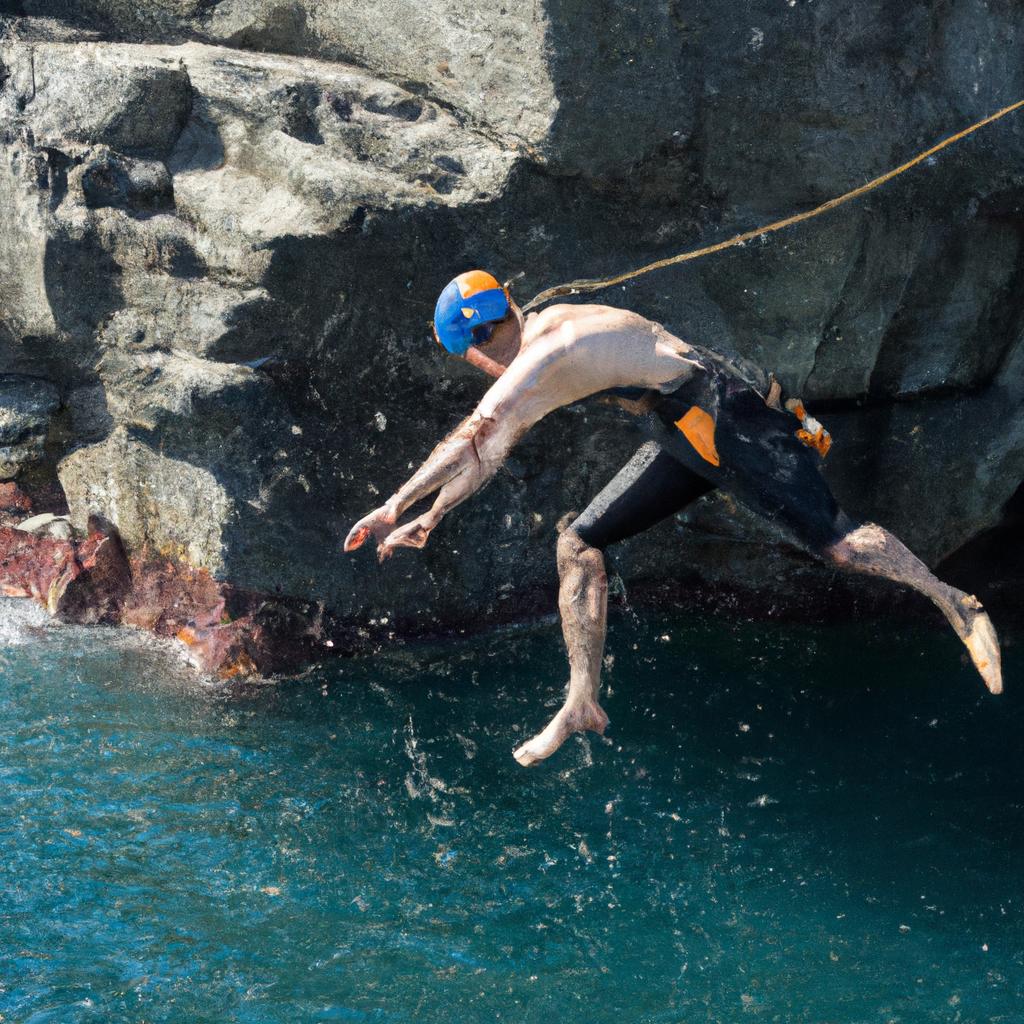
[{"x": 593, "y": 285}]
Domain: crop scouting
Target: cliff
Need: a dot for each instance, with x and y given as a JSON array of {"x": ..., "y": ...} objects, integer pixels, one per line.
[{"x": 224, "y": 224}]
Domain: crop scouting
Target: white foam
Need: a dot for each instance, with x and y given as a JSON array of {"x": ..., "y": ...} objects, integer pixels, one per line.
[{"x": 21, "y": 620}]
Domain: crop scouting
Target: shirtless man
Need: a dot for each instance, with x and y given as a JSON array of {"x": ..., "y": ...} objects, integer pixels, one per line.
[{"x": 708, "y": 424}]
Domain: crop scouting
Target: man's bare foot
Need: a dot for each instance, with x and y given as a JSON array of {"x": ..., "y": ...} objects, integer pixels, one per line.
[
  {"x": 975, "y": 628},
  {"x": 572, "y": 718}
]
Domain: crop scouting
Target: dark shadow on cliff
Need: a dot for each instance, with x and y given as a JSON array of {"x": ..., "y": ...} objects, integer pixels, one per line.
[{"x": 992, "y": 564}]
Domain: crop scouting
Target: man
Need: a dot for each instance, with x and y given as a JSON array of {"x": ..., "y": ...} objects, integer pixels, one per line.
[{"x": 708, "y": 423}]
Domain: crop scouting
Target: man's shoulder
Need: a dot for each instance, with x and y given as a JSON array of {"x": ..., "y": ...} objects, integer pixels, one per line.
[
  {"x": 591, "y": 315},
  {"x": 730, "y": 361}
]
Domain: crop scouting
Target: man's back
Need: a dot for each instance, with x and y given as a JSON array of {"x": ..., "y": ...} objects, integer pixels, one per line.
[{"x": 571, "y": 351}]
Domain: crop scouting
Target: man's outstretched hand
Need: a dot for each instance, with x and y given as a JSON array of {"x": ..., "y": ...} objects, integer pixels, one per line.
[
  {"x": 411, "y": 535},
  {"x": 379, "y": 523}
]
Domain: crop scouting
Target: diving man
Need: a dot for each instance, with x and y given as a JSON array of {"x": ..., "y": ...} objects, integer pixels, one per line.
[{"x": 708, "y": 424}]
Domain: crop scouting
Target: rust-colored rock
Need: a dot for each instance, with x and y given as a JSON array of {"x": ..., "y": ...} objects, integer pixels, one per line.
[
  {"x": 97, "y": 591},
  {"x": 76, "y": 582},
  {"x": 35, "y": 567},
  {"x": 167, "y": 597},
  {"x": 225, "y": 631},
  {"x": 223, "y": 649},
  {"x": 14, "y": 503}
]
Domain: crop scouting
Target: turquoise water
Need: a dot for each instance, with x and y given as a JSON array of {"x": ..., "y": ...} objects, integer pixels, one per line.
[{"x": 785, "y": 825}]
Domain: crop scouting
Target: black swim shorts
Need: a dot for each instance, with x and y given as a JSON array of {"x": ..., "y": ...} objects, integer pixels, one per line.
[{"x": 716, "y": 431}]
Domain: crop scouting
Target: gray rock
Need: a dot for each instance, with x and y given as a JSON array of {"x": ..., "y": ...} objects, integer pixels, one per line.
[
  {"x": 111, "y": 179},
  {"x": 165, "y": 504},
  {"x": 24, "y": 235},
  {"x": 80, "y": 92},
  {"x": 26, "y": 406}
]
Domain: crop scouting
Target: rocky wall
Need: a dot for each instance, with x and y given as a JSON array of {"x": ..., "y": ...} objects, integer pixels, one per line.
[{"x": 223, "y": 226}]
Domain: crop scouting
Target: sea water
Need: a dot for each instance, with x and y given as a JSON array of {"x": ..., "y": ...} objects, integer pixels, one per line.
[{"x": 783, "y": 823}]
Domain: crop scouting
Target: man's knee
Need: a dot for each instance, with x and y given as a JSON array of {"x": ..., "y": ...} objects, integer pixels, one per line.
[
  {"x": 838, "y": 553},
  {"x": 858, "y": 541},
  {"x": 574, "y": 552},
  {"x": 572, "y": 547},
  {"x": 575, "y": 529}
]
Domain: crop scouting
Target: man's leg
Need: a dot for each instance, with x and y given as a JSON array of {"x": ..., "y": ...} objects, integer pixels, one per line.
[
  {"x": 583, "y": 605},
  {"x": 868, "y": 548},
  {"x": 650, "y": 487},
  {"x": 765, "y": 465}
]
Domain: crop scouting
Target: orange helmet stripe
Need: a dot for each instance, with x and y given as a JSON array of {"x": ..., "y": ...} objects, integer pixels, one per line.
[{"x": 474, "y": 281}]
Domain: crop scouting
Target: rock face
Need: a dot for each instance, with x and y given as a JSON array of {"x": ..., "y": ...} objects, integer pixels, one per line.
[
  {"x": 224, "y": 225},
  {"x": 26, "y": 406}
]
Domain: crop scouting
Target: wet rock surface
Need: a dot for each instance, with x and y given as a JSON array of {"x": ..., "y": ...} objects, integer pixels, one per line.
[{"x": 224, "y": 227}]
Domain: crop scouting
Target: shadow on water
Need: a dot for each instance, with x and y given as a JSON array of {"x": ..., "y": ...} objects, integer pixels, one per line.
[{"x": 784, "y": 824}]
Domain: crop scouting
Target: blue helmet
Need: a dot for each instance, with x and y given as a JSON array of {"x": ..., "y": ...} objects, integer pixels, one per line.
[{"x": 466, "y": 308}]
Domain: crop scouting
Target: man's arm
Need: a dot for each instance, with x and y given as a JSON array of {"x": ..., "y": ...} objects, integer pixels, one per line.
[
  {"x": 465, "y": 460},
  {"x": 458, "y": 467}
]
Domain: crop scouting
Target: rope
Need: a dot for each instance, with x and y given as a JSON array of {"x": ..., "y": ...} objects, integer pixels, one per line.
[{"x": 593, "y": 285}]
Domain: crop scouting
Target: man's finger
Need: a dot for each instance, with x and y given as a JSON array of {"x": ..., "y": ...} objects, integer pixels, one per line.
[{"x": 356, "y": 537}]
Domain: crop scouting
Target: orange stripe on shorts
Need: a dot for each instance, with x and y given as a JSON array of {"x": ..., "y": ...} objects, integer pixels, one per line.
[{"x": 699, "y": 429}]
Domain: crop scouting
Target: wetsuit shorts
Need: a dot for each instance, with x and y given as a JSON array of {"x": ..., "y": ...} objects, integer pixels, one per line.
[{"x": 716, "y": 431}]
